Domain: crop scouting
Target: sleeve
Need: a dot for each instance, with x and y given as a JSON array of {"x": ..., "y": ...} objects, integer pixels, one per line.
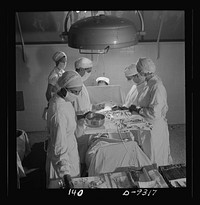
[
  {"x": 154, "y": 109},
  {"x": 82, "y": 103},
  {"x": 53, "y": 78},
  {"x": 131, "y": 97},
  {"x": 60, "y": 155}
]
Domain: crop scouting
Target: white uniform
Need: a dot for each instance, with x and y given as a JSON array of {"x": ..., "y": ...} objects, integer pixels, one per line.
[
  {"x": 153, "y": 99},
  {"x": 82, "y": 103},
  {"x": 53, "y": 79},
  {"x": 62, "y": 152},
  {"x": 132, "y": 94},
  {"x": 54, "y": 76},
  {"x": 81, "y": 106}
]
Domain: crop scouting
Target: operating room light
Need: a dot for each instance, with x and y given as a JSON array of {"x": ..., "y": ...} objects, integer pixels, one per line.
[
  {"x": 99, "y": 32},
  {"x": 102, "y": 32}
]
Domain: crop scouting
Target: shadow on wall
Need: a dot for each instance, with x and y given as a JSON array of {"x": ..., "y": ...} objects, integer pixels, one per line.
[
  {"x": 44, "y": 59},
  {"x": 22, "y": 72}
]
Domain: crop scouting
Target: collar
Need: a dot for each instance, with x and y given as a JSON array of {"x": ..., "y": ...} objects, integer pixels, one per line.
[{"x": 59, "y": 71}]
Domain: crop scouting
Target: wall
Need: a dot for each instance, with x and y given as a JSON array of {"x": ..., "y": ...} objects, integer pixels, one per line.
[{"x": 31, "y": 76}]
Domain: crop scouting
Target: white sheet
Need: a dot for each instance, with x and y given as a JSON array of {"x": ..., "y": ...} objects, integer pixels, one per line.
[{"x": 104, "y": 156}]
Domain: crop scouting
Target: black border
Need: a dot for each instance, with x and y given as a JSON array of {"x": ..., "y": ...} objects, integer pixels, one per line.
[{"x": 10, "y": 152}]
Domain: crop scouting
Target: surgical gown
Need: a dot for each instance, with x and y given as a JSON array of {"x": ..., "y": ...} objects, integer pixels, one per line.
[
  {"x": 62, "y": 152},
  {"x": 132, "y": 94},
  {"x": 82, "y": 103},
  {"x": 153, "y": 100},
  {"x": 81, "y": 106},
  {"x": 54, "y": 76}
]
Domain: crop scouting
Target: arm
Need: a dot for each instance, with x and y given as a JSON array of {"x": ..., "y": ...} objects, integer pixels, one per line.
[
  {"x": 49, "y": 90},
  {"x": 52, "y": 82},
  {"x": 131, "y": 96}
]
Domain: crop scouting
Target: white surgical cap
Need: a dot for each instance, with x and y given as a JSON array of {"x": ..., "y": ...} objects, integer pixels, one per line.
[
  {"x": 58, "y": 55},
  {"x": 83, "y": 63},
  {"x": 70, "y": 79},
  {"x": 130, "y": 70},
  {"x": 103, "y": 79},
  {"x": 145, "y": 65}
]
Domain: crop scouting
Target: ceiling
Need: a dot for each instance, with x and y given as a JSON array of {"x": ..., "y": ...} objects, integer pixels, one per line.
[{"x": 45, "y": 27}]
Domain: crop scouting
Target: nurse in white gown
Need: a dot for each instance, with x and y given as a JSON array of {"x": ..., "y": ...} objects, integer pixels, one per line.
[
  {"x": 82, "y": 104},
  {"x": 152, "y": 105},
  {"x": 62, "y": 151}
]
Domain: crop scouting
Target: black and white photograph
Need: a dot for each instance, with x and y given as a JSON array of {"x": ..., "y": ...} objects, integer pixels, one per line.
[{"x": 101, "y": 102}]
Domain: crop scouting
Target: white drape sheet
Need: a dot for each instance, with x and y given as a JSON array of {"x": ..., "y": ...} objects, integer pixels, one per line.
[
  {"x": 106, "y": 156},
  {"x": 99, "y": 94}
]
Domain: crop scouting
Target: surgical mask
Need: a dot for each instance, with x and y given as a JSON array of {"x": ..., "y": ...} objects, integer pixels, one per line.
[
  {"x": 129, "y": 81},
  {"x": 86, "y": 76},
  {"x": 141, "y": 78},
  {"x": 62, "y": 65},
  {"x": 70, "y": 97}
]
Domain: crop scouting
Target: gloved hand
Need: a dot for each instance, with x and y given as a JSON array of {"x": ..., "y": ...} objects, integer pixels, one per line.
[
  {"x": 87, "y": 113},
  {"x": 97, "y": 107},
  {"x": 124, "y": 108},
  {"x": 119, "y": 108},
  {"x": 133, "y": 108},
  {"x": 116, "y": 107},
  {"x": 79, "y": 117},
  {"x": 100, "y": 106}
]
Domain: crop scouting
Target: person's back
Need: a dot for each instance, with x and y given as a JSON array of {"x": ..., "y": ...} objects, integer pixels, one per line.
[
  {"x": 61, "y": 112},
  {"x": 154, "y": 95},
  {"x": 62, "y": 152}
]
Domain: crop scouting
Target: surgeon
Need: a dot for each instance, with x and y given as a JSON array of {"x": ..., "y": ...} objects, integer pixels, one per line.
[
  {"x": 82, "y": 105},
  {"x": 139, "y": 84},
  {"x": 60, "y": 59},
  {"x": 152, "y": 105},
  {"x": 102, "y": 81},
  {"x": 62, "y": 152}
]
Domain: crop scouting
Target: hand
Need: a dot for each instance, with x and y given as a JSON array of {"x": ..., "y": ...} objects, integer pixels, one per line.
[
  {"x": 100, "y": 106},
  {"x": 79, "y": 117},
  {"x": 87, "y": 113},
  {"x": 123, "y": 108},
  {"x": 116, "y": 107},
  {"x": 133, "y": 108}
]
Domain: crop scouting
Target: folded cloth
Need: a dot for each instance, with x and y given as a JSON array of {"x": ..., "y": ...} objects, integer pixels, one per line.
[
  {"x": 44, "y": 114},
  {"x": 23, "y": 145},
  {"x": 20, "y": 169}
]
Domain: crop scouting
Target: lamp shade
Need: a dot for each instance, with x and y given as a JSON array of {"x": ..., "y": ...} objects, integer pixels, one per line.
[{"x": 100, "y": 32}]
